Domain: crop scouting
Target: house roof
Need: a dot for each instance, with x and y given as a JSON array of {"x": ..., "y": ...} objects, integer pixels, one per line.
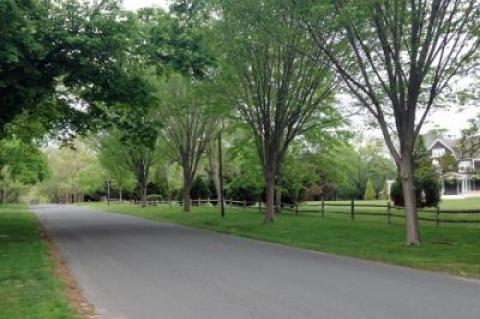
[{"x": 447, "y": 141}]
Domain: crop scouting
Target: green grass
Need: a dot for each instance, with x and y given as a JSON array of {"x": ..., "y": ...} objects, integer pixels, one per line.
[
  {"x": 454, "y": 248},
  {"x": 29, "y": 288},
  {"x": 428, "y": 212}
]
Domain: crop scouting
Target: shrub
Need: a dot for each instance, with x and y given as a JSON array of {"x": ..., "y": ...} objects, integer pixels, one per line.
[
  {"x": 200, "y": 189},
  {"x": 370, "y": 193},
  {"x": 427, "y": 191},
  {"x": 243, "y": 188}
]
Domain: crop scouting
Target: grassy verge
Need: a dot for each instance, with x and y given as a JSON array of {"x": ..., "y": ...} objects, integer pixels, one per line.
[
  {"x": 29, "y": 288},
  {"x": 454, "y": 248}
]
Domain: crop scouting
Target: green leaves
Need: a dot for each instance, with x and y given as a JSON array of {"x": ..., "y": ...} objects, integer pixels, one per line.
[{"x": 23, "y": 162}]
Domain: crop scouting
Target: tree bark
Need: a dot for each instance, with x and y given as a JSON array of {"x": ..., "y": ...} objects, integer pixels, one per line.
[
  {"x": 187, "y": 187},
  {"x": 186, "y": 196},
  {"x": 408, "y": 186},
  {"x": 144, "y": 193},
  {"x": 4, "y": 193},
  {"x": 278, "y": 192},
  {"x": 270, "y": 193},
  {"x": 214, "y": 170}
]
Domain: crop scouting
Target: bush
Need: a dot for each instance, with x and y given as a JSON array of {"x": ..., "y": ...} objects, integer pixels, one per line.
[
  {"x": 200, "y": 189},
  {"x": 427, "y": 191},
  {"x": 155, "y": 197},
  {"x": 244, "y": 189},
  {"x": 427, "y": 180},
  {"x": 370, "y": 193}
]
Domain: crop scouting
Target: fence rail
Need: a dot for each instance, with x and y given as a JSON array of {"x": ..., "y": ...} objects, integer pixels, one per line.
[{"x": 352, "y": 208}]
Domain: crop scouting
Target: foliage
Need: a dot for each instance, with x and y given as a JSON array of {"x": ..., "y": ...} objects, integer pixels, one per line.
[
  {"x": 112, "y": 159},
  {"x": 200, "y": 189},
  {"x": 399, "y": 59},
  {"x": 24, "y": 162},
  {"x": 190, "y": 121},
  {"x": 447, "y": 163},
  {"x": 427, "y": 180},
  {"x": 75, "y": 173},
  {"x": 469, "y": 143},
  {"x": 370, "y": 193},
  {"x": 279, "y": 93},
  {"x": 386, "y": 192}
]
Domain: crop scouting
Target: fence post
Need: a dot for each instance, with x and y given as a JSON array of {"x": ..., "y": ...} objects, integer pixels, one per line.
[
  {"x": 259, "y": 206},
  {"x": 438, "y": 216},
  {"x": 244, "y": 204},
  {"x": 352, "y": 210},
  {"x": 389, "y": 213},
  {"x": 323, "y": 207}
]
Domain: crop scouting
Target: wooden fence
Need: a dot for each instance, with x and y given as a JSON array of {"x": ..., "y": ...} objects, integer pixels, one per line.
[
  {"x": 353, "y": 209},
  {"x": 388, "y": 211}
]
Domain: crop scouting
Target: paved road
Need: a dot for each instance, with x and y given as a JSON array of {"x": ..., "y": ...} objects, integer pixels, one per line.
[{"x": 136, "y": 269}]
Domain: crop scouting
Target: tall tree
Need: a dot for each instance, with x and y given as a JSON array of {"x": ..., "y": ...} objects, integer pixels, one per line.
[
  {"x": 22, "y": 162},
  {"x": 469, "y": 143},
  {"x": 281, "y": 94},
  {"x": 189, "y": 124},
  {"x": 57, "y": 55},
  {"x": 111, "y": 156},
  {"x": 399, "y": 59}
]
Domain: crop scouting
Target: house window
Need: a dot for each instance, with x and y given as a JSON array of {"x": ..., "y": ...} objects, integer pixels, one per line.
[
  {"x": 476, "y": 164},
  {"x": 464, "y": 166},
  {"x": 438, "y": 152}
]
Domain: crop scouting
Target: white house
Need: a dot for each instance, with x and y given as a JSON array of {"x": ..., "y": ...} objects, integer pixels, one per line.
[{"x": 460, "y": 183}]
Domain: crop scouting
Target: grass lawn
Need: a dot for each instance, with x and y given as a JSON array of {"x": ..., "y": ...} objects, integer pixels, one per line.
[
  {"x": 451, "y": 248},
  {"x": 29, "y": 288}
]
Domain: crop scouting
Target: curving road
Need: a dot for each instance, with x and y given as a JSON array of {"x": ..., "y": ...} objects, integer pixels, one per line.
[{"x": 137, "y": 269}]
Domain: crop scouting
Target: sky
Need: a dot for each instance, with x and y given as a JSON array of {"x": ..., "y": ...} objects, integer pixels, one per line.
[
  {"x": 135, "y": 4},
  {"x": 454, "y": 120}
]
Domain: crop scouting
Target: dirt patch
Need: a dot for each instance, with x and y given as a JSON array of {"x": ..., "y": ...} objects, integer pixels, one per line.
[{"x": 73, "y": 292}]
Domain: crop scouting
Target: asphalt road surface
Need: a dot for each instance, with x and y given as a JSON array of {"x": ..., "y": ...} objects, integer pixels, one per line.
[{"x": 137, "y": 269}]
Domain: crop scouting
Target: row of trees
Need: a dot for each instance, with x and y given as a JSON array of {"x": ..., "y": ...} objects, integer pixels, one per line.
[
  {"x": 157, "y": 81},
  {"x": 343, "y": 171}
]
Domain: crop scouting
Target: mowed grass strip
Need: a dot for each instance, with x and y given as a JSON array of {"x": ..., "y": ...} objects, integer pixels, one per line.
[
  {"x": 454, "y": 249},
  {"x": 29, "y": 288}
]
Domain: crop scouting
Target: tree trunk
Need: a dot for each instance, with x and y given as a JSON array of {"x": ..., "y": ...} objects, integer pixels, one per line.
[
  {"x": 4, "y": 193},
  {"x": 144, "y": 193},
  {"x": 408, "y": 186},
  {"x": 270, "y": 189},
  {"x": 187, "y": 187},
  {"x": 214, "y": 170},
  {"x": 120, "y": 194},
  {"x": 186, "y": 196},
  {"x": 278, "y": 193}
]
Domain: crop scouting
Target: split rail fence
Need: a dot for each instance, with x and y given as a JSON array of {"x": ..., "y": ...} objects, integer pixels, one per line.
[{"x": 353, "y": 209}]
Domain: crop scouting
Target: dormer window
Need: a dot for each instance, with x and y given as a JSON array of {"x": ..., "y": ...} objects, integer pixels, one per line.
[{"x": 438, "y": 152}]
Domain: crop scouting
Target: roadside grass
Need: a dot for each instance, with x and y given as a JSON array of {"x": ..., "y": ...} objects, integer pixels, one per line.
[
  {"x": 427, "y": 212},
  {"x": 29, "y": 288},
  {"x": 454, "y": 249}
]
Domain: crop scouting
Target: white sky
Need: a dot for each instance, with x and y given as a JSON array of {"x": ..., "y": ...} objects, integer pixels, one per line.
[
  {"x": 135, "y": 4},
  {"x": 454, "y": 120}
]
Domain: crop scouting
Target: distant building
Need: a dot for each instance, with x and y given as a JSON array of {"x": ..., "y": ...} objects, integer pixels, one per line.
[{"x": 464, "y": 180}]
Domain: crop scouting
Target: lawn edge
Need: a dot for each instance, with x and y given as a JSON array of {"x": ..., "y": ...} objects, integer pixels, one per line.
[{"x": 70, "y": 288}]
